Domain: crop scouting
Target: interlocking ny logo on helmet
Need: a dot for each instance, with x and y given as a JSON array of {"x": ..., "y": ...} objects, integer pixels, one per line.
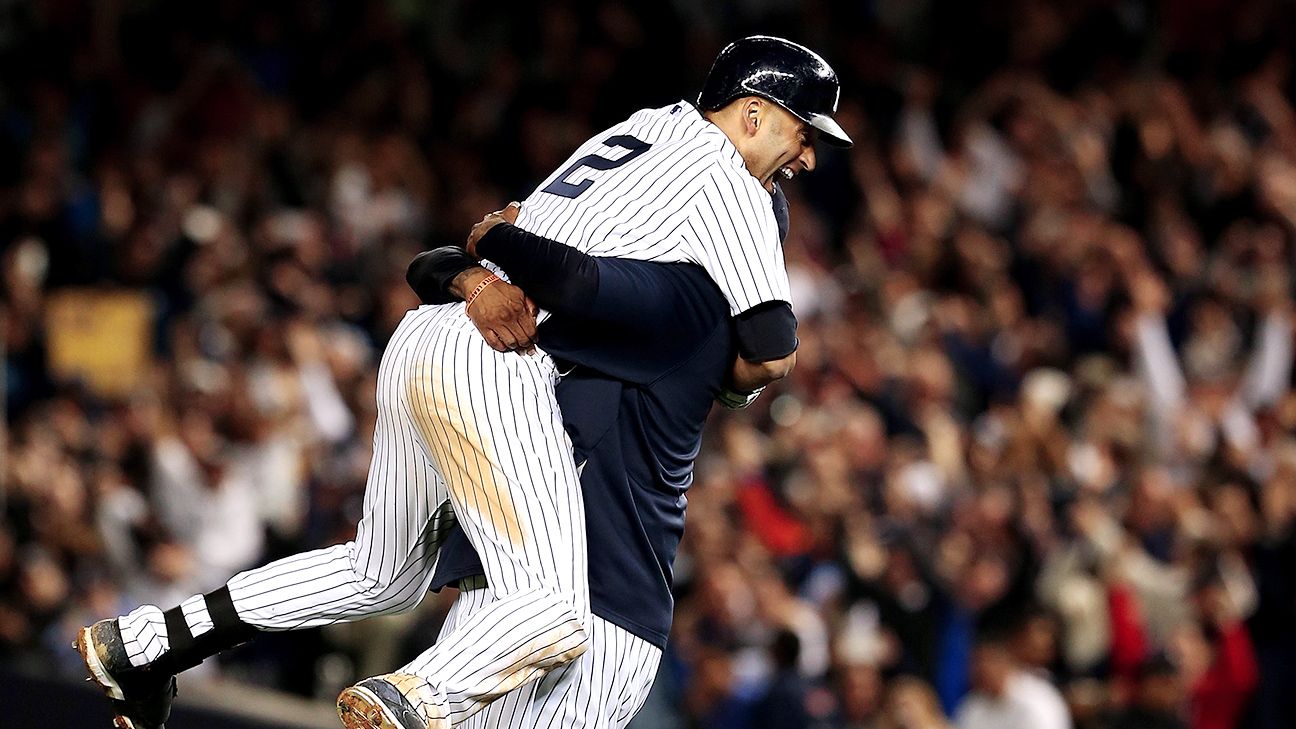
[{"x": 788, "y": 74}]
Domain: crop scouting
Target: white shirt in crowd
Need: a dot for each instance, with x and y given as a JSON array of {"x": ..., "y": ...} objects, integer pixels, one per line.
[{"x": 1028, "y": 702}]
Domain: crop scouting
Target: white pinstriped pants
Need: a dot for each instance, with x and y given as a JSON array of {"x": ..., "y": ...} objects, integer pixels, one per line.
[
  {"x": 602, "y": 689},
  {"x": 459, "y": 425}
]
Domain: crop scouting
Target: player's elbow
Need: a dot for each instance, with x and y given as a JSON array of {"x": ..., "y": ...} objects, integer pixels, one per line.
[
  {"x": 777, "y": 369},
  {"x": 751, "y": 376}
]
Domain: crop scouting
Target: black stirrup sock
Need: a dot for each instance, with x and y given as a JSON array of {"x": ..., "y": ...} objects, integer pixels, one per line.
[{"x": 186, "y": 651}]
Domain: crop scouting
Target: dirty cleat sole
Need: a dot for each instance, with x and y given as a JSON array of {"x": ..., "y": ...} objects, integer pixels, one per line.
[
  {"x": 360, "y": 708},
  {"x": 99, "y": 674},
  {"x": 391, "y": 701},
  {"x": 140, "y": 698}
]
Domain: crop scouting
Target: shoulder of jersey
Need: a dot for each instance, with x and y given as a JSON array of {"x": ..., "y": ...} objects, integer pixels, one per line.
[
  {"x": 728, "y": 163},
  {"x": 726, "y": 167},
  {"x": 731, "y": 172},
  {"x": 700, "y": 134}
]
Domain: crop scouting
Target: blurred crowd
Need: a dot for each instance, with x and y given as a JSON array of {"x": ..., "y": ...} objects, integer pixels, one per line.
[{"x": 1036, "y": 466}]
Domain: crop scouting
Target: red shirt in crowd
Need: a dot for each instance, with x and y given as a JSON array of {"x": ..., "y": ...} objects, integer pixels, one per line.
[{"x": 1220, "y": 696}]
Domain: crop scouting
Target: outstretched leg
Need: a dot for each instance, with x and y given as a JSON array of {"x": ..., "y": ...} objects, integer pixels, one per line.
[{"x": 386, "y": 569}]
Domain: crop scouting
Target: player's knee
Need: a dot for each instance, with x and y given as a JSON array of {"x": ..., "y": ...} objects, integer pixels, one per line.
[
  {"x": 566, "y": 631},
  {"x": 384, "y": 593},
  {"x": 388, "y": 599},
  {"x": 572, "y": 639},
  {"x": 574, "y": 648}
]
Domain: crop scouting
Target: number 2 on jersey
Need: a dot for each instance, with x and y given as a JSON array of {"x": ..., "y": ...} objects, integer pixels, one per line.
[{"x": 560, "y": 186}]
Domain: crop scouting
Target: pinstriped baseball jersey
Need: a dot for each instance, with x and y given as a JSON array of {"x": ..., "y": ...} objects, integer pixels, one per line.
[{"x": 666, "y": 185}]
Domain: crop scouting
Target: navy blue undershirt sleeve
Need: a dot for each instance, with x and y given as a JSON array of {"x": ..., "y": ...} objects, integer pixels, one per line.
[
  {"x": 766, "y": 332},
  {"x": 643, "y": 321},
  {"x": 566, "y": 281},
  {"x": 629, "y": 319},
  {"x": 431, "y": 272},
  {"x": 569, "y": 283},
  {"x": 638, "y": 295},
  {"x": 556, "y": 276}
]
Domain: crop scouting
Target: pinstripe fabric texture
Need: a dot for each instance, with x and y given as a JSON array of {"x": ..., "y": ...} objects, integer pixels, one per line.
[
  {"x": 688, "y": 198},
  {"x": 602, "y": 689}
]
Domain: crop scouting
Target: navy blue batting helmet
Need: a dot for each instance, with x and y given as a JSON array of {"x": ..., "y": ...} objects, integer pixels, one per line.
[{"x": 788, "y": 74}]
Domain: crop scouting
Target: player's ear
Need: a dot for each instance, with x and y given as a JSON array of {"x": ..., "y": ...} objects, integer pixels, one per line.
[{"x": 753, "y": 110}]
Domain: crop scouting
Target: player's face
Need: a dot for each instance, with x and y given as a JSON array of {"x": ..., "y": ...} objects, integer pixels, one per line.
[{"x": 785, "y": 146}]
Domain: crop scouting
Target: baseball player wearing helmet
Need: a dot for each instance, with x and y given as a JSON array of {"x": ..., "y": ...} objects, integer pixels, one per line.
[{"x": 468, "y": 434}]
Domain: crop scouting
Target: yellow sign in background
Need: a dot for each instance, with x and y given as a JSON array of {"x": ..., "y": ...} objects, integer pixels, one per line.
[{"x": 103, "y": 338}]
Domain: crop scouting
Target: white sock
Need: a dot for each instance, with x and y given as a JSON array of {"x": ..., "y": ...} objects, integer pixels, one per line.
[
  {"x": 144, "y": 629},
  {"x": 196, "y": 615},
  {"x": 144, "y": 634}
]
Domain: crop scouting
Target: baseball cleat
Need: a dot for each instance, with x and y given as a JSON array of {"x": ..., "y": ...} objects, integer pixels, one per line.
[
  {"x": 140, "y": 697},
  {"x": 392, "y": 701}
]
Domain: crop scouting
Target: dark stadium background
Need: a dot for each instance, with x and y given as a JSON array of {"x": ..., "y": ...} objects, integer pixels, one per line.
[{"x": 1041, "y": 425}]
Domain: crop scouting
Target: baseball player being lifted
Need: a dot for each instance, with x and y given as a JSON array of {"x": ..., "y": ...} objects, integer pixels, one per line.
[{"x": 471, "y": 435}]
